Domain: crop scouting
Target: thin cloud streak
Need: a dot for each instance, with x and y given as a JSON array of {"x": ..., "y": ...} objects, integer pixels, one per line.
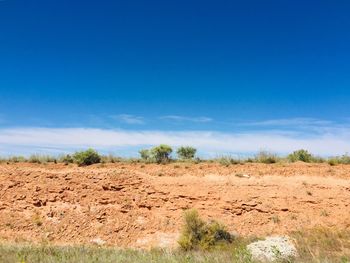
[
  {"x": 129, "y": 119},
  {"x": 330, "y": 143},
  {"x": 291, "y": 122},
  {"x": 184, "y": 118}
]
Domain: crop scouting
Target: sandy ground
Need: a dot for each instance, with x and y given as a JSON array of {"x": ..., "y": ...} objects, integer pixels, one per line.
[{"x": 141, "y": 205}]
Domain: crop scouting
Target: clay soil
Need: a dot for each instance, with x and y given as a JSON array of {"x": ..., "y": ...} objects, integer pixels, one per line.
[{"x": 141, "y": 205}]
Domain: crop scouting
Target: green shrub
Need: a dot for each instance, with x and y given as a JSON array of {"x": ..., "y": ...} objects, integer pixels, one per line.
[
  {"x": 161, "y": 153},
  {"x": 301, "y": 155},
  {"x": 66, "y": 159},
  {"x": 186, "y": 152},
  {"x": 145, "y": 154},
  {"x": 333, "y": 161},
  {"x": 266, "y": 157},
  {"x": 87, "y": 157},
  {"x": 345, "y": 159},
  {"x": 198, "y": 234}
]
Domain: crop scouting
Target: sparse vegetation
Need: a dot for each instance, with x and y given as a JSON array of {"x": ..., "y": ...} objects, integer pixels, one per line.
[
  {"x": 145, "y": 154},
  {"x": 88, "y": 157},
  {"x": 16, "y": 159},
  {"x": 158, "y": 154},
  {"x": 110, "y": 159},
  {"x": 313, "y": 245},
  {"x": 66, "y": 159},
  {"x": 266, "y": 157},
  {"x": 275, "y": 219},
  {"x": 91, "y": 254},
  {"x": 323, "y": 245},
  {"x": 198, "y": 234},
  {"x": 186, "y": 152},
  {"x": 324, "y": 213},
  {"x": 301, "y": 155},
  {"x": 37, "y": 158},
  {"x": 227, "y": 160},
  {"x": 161, "y": 153}
]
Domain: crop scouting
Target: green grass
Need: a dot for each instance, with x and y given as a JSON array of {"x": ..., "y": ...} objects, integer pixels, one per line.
[{"x": 56, "y": 254}]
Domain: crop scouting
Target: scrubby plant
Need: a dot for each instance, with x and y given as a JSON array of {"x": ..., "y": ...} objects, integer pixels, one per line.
[
  {"x": 110, "y": 158},
  {"x": 88, "y": 157},
  {"x": 186, "y": 152},
  {"x": 66, "y": 159},
  {"x": 198, "y": 234},
  {"x": 301, "y": 155},
  {"x": 344, "y": 159},
  {"x": 227, "y": 160},
  {"x": 161, "y": 153},
  {"x": 266, "y": 157},
  {"x": 145, "y": 154},
  {"x": 34, "y": 158},
  {"x": 38, "y": 158},
  {"x": 16, "y": 159},
  {"x": 333, "y": 161}
]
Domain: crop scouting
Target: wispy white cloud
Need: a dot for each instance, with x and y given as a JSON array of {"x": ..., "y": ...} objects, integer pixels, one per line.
[
  {"x": 184, "y": 118},
  {"x": 129, "y": 119},
  {"x": 290, "y": 122},
  {"x": 62, "y": 139}
]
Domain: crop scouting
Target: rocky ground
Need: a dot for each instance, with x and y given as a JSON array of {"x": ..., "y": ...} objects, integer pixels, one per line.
[{"x": 141, "y": 205}]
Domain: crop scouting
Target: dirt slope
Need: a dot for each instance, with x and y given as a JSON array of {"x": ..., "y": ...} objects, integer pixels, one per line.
[{"x": 138, "y": 205}]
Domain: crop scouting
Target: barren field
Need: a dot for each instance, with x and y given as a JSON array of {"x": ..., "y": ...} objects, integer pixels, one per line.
[{"x": 141, "y": 205}]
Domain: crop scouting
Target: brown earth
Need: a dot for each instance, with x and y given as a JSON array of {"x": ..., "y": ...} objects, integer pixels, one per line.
[{"x": 141, "y": 205}]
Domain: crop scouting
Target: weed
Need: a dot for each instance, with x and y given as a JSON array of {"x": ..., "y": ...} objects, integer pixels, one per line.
[
  {"x": 323, "y": 245},
  {"x": 227, "y": 160},
  {"x": 293, "y": 217},
  {"x": 275, "y": 219},
  {"x": 324, "y": 213},
  {"x": 198, "y": 234},
  {"x": 266, "y": 157}
]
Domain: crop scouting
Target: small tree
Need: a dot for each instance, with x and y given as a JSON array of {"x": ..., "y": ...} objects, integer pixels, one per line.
[
  {"x": 87, "y": 157},
  {"x": 301, "y": 155},
  {"x": 161, "y": 153},
  {"x": 186, "y": 152}
]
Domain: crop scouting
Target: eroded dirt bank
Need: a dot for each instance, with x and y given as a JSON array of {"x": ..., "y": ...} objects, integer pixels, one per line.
[{"x": 141, "y": 205}]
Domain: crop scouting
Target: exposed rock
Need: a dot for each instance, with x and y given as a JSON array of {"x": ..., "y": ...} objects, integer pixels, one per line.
[{"x": 272, "y": 248}]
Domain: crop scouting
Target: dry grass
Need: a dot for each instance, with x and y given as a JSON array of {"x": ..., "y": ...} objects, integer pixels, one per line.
[{"x": 323, "y": 245}]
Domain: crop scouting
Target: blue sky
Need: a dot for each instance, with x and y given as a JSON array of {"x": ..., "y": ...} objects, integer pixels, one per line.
[{"x": 239, "y": 75}]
